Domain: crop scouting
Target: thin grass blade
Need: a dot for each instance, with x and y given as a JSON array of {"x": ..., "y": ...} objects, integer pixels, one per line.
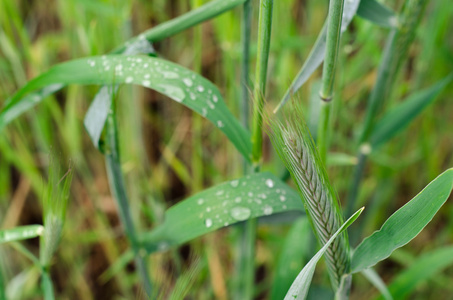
[
  {"x": 402, "y": 115},
  {"x": 316, "y": 56},
  {"x": 404, "y": 225},
  {"x": 172, "y": 80},
  {"x": 21, "y": 233},
  {"x": 300, "y": 286},
  {"x": 377, "y": 13},
  {"x": 256, "y": 195},
  {"x": 377, "y": 281}
]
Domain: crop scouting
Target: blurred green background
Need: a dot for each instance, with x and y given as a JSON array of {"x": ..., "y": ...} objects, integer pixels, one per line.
[{"x": 163, "y": 164}]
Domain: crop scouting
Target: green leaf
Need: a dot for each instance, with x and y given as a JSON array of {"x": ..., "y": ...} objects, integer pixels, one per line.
[
  {"x": 295, "y": 250},
  {"x": 423, "y": 268},
  {"x": 377, "y": 281},
  {"x": 404, "y": 224},
  {"x": 377, "y": 13},
  {"x": 300, "y": 286},
  {"x": 238, "y": 200},
  {"x": 176, "y": 25},
  {"x": 316, "y": 56},
  {"x": 172, "y": 80},
  {"x": 398, "y": 118},
  {"x": 21, "y": 233}
]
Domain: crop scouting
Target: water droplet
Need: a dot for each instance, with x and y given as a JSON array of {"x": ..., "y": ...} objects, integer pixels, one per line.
[
  {"x": 173, "y": 92},
  {"x": 220, "y": 124},
  {"x": 226, "y": 224},
  {"x": 238, "y": 199},
  {"x": 208, "y": 223},
  {"x": 250, "y": 194},
  {"x": 92, "y": 63},
  {"x": 200, "y": 88},
  {"x": 129, "y": 79},
  {"x": 192, "y": 96},
  {"x": 119, "y": 67},
  {"x": 208, "y": 209},
  {"x": 146, "y": 82},
  {"x": 219, "y": 193},
  {"x": 284, "y": 206},
  {"x": 210, "y": 104},
  {"x": 215, "y": 98},
  {"x": 267, "y": 210},
  {"x": 204, "y": 112},
  {"x": 163, "y": 246},
  {"x": 139, "y": 60},
  {"x": 200, "y": 201},
  {"x": 234, "y": 183},
  {"x": 240, "y": 213},
  {"x": 146, "y": 65},
  {"x": 258, "y": 201},
  {"x": 269, "y": 183},
  {"x": 187, "y": 81},
  {"x": 282, "y": 198},
  {"x": 146, "y": 76}
]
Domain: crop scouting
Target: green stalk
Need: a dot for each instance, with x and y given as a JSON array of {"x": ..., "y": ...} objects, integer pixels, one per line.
[
  {"x": 246, "y": 261},
  {"x": 264, "y": 37},
  {"x": 328, "y": 72},
  {"x": 245, "y": 61},
  {"x": 395, "y": 53},
  {"x": 118, "y": 188}
]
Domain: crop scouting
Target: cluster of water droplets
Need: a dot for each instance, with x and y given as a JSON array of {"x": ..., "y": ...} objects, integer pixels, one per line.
[
  {"x": 239, "y": 200},
  {"x": 170, "y": 79}
]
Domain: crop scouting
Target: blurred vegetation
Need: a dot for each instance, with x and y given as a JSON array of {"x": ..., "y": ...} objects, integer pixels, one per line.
[{"x": 163, "y": 163}]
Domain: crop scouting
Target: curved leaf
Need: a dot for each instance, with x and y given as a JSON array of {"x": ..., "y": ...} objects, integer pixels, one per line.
[
  {"x": 398, "y": 118},
  {"x": 21, "y": 233},
  {"x": 377, "y": 13},
  {"x": 238, "y": 200},
  {"x": 316, "y": 56},
  {"x": 377, "y": 281},
  {"x": 300, "y": 286},
  {"x": 172, "y": 80},
  {"x": 405, "y": 224}
]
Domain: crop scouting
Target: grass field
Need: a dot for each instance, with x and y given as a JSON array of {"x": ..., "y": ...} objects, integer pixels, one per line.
[{"x": 102, "y": 200}]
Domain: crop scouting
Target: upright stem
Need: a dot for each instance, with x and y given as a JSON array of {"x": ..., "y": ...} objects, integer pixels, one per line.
[
  {"x": 245, "y": 61},
  {"x": 118, "y": 188},
  {"x": 259, "y": 89},
  {"x": 395, "y": 53},
  {"x": 246, "y": 261},
  {"x": 328, "y": 72}
]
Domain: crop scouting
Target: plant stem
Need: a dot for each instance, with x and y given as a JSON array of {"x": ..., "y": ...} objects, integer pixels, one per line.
[
  {"x": 245, "y": 61},
  {"x": 118, "y": 188},
  {"x": 395, "y": 53},
  {"x": 264, "y": 37},
  {"x": 328, "y": 72}
]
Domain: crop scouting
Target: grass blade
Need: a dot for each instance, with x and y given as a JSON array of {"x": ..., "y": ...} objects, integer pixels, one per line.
[
  {"x": 400, "y": 117},
  {"x": 405, "y": 224},
  {"x": 377, "y": 281},
  {"x": 316, "y": 56},
  {"x": 377, "y": 13},
  {"x": 295, "y": 250},
  {"x": 238, "y": 200},
  {"x": 423, "y": 268},
  {"x": 300, "y": 286},
  {"x": 172, "y": 80},
  {"x": 20, "y": 233}
]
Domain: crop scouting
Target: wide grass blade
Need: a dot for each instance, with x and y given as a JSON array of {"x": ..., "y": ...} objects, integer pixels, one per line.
[
  {"x": 295, "y": 250},
  {"x": 400, "y": 117},
  {"x": 21, "y": 233},
  {"x": 377, "y": 13},
  {"x": 231, "y": 202},
  {"x": 404, "y": 225},
  {"x": 422, "y": 269},
  {"x": 316, "y": 56},
  {"x": 172, "y": 80},
  {"x": 300, "y": 286}
]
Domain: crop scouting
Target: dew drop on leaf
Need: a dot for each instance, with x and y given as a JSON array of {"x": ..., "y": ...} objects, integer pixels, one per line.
[{"x": 240, "y": 213}]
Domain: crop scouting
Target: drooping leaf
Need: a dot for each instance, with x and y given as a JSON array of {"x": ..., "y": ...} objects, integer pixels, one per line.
[
  {"x": 295, "y": 250},
  {"x": 377, "y": 13},
  {"x": 300, "y": 286},
  {"x": 400, "y": 117},
  {"x": 238, "y": 200},
  {"x": 422, "y": 269},
  {"x": 172, "y": 80},
  {"x": 20, "y": 233},
  {"x": 316, "y": 56},
  {"x": 377, "y": 281},
  {"x": 404, "y": 225}
]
